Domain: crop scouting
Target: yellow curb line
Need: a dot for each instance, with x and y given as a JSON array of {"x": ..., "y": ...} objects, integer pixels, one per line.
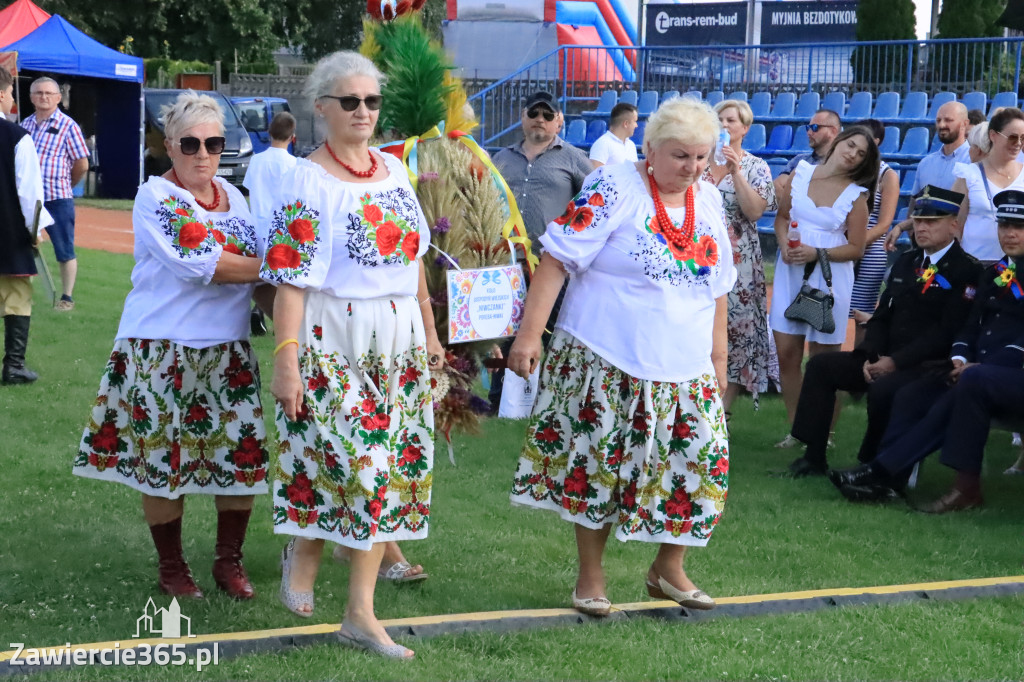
[{"x": 481, "y": 616}]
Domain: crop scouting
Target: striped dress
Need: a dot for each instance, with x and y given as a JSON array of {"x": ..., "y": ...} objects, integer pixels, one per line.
[{"x": 870, "y": 270}]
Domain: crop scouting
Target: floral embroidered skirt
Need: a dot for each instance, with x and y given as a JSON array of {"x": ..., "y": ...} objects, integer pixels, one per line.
[
  {"x": 171, "y": 420},
  {"x": 356, "y": 466},
  {"x": 604, "y": 447}
]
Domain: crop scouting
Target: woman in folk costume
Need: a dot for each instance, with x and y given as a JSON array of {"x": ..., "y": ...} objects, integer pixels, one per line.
[
  {"x": 628, "y": 429},
  {"x": 355, "y": 337},
  {"x": 179, "y": 410}
]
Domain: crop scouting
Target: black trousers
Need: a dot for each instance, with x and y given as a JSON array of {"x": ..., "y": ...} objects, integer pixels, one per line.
[
  {"x": 828, "y": 373},
  {"x": 931, "y": 414}
]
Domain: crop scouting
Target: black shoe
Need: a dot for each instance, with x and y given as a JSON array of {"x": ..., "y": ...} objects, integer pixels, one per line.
[
  {"x": 802, "y": 467},
  {"x": 870, "y": 493},
  {"x": 858, "y": 475},
  {"x": 257, "y": 323}
]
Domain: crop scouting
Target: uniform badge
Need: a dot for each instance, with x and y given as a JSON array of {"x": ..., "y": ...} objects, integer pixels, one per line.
[{"x": 969, "y": 293}]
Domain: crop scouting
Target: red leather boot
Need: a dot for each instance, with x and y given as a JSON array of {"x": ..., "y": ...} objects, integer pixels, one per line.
[
  {"x": 228, "y": 571},
  {"x": 175, "y": 576}
]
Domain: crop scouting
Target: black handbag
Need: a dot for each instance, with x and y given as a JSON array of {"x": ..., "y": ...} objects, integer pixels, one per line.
[{"x": 811, "y": 305}]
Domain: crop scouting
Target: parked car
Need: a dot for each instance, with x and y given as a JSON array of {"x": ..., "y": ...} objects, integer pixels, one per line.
[
  {"x": 257, "y": 113},
  {"x": 234, "y": 162}
]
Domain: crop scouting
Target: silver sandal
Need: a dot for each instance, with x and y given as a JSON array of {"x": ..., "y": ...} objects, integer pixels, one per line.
[
  {"x": 396, "y": 573},
  {"x": 292, "y": 600},
  {"x": 351, "y": 636}
]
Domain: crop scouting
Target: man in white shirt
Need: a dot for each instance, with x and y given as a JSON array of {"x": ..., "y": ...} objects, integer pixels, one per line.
[
  {"x": 261, "y": 179},
  {"x": 615, "y": 146},
  {"x": 21, "y": 189}
]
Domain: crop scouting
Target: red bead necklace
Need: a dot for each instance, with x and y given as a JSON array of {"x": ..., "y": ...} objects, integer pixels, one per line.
[
  {"x": 350, "y": 169},
  {"x": 213, "y": 185},
  {"x": 680, "y": 238}
]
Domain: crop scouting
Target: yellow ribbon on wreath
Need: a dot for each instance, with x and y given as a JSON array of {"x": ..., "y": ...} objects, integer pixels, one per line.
[{"x": 514, "y": 229}]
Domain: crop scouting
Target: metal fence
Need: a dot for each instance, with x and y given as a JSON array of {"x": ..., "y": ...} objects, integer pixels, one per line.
[{"x": 579, "y": 74}]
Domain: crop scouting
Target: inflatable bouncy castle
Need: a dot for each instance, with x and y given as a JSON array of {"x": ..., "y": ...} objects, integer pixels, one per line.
[{"x": 530, "y": 29}]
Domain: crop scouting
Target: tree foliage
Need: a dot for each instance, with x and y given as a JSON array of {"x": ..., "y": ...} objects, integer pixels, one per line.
[
  {"x": 970, "y": 18},
  {"x": 883, "y": 20}
]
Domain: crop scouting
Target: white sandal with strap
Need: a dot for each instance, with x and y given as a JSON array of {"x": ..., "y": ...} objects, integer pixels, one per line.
[
  {"x": 293, "y": 601},
  {"x": 397, "y": 571}
]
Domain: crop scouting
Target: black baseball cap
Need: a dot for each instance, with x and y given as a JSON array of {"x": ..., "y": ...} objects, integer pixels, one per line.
[{"x": 542, "y": 98}]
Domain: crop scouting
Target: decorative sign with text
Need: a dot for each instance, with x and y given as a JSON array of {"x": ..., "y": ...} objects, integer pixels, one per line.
[{"x": 485, "y": 303}]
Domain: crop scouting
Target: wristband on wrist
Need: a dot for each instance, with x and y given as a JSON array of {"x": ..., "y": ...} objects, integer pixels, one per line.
[{"x": 284, "y": 343}]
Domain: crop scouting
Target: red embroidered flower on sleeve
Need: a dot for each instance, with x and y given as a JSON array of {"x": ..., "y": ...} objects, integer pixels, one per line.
[
  {"x": 301, "y": 230},
  {"x": 283, "y": 257},
  {"x": 192, "y": 234}
]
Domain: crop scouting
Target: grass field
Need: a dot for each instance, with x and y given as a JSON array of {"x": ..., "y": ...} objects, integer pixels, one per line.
[
  {"x": 109, "y": 204},
  {"x": 77, "y": 564}
]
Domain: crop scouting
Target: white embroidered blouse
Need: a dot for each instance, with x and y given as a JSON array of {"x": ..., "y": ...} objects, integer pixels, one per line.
[
  {"x": 177, "y": 246},
  {"x": 640, "y": 304},
  {"x": 350, "y": 240}
]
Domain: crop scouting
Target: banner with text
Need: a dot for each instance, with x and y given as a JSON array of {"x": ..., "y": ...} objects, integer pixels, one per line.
[
  {"x": 713, "y": 23},
  {"x": 808, "y": 22}
]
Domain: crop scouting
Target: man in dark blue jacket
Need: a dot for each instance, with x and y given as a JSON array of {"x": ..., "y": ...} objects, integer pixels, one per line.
[{"x": 953, "y": 410}]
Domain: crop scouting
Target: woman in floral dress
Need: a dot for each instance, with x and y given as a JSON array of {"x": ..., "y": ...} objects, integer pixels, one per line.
[
  {"x": 628, "y": 428},
  {"x": 179, "y": 410},
  {"x": 745, "y": 182},
  {"x": 355, "y": 334}
]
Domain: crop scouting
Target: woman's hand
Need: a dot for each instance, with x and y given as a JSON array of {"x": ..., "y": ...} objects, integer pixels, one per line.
[
  {"x": 286, "y": 385},
  {"x": 800, "y": 255},
  {"x": 435, "y": 352},
  {"x": 732, "y": 160},
  {"x": 524, "y": 356}
]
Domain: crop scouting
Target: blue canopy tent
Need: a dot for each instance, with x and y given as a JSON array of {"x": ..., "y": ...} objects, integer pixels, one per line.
[{"x": 57, "y": 47}]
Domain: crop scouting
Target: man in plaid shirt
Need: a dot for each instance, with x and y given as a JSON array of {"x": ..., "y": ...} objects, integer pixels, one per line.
[{"x": 64, "y": 160}]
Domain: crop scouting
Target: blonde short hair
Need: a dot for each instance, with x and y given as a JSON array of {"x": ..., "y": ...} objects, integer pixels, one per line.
[
  {"x": 188, "y": 110},
  {"x": 337, "y": 66},
  {"x": 683, "y": 119},
  {"x": 743, "y": 110}
]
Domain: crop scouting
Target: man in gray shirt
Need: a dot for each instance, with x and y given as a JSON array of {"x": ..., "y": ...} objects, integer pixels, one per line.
[{"x": 543, "y": 171}]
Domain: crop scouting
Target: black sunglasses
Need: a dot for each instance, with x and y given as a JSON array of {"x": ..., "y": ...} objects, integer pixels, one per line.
[
  {"x": 541, "y": 111},
  {"x": 815, "y": 127},
  {"x": 190, "y": 145},
  {"x": 351, "y": 102}
]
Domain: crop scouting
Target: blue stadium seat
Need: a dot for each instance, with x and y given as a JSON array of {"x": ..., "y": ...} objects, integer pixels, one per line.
[
  {"x": 648, "y": 103},
  {"x": 638, "y": 134},
  {"x": 887, "y": 107},
  {"x": 836, "y": 101},
  {"x": 938, "y": 99},
  {"x": 901, "y": 214},
  {"x": 915, "y": 144},
  {"x": 776, "y": 165},
  {"x": 609, "y": 98},
  {"x": 780, "y": 140},
  {"x": 740, "y": 95},
  {"x": 669, "y": 94},
  {"x": 936, "y": 144},
  {"x": 808, "y": 104},
  {"x": 576, "y": 133},
  {"x": 696, "y": 94},
  {"x": 714, "y": 97},
  {"x": 860, "y": 106},
  {"x": 761, "y": 104},
  {"x": 629, "y": 97},
  {"x": 907, "y": 186},
  {"x": 891, "y": 143},
  {"x": 755, "y": 140},
  {"x": 1002, "y": 99},
  {"x": 915, "y": 108},
  {"x": 785, "y": 103},
  {"x": 801, "y": 145},
  {"x": 595, "y": 129},
  {"x": 976, "y": 100},
  {"x": 766, "y": 223}
]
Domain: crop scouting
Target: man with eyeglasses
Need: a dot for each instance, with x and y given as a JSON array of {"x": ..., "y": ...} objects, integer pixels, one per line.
[
  {"x": 21, "y": 189},
  {"x": 64, "y": 159},
  {"x": 821, "y": 131},
  {"x": 544, "y": 173}
]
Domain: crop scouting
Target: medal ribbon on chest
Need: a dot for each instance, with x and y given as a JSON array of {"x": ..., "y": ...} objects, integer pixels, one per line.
[
  {"x": 1008, "y": 278},
  {"x": 929, "y": 276}
]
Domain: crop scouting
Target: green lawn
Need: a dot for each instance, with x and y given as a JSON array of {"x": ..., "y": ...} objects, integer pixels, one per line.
[
  {"x": 108, "y": 204},
  {"x": 77, "y": 564}
]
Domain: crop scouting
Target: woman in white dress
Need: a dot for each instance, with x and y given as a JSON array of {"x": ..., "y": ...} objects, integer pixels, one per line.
[
  {"x": 829, "y": 202},
  {"x": 628, "y": 430},
  {"x": 981, "y": 181},
  {"x": 179, "y": 410},
  {"x": 355, "y": 334}
]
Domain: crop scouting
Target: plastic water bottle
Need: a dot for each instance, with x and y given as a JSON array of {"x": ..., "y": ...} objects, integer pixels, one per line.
[
  {"x": 793, "y": 238},
  {"x": 723, "y": 142}
]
